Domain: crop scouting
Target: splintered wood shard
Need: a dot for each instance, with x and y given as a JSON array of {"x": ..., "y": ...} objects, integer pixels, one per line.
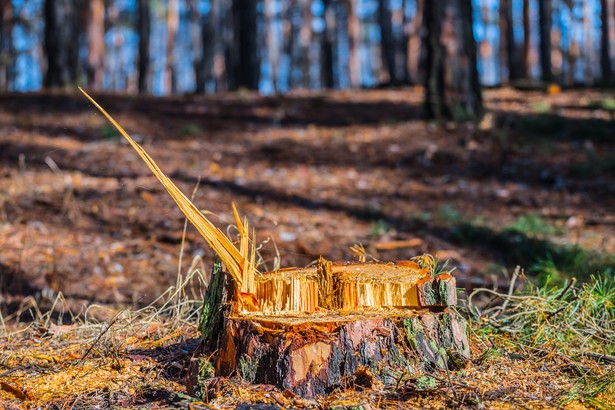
[{"x": 240, "y": 263}]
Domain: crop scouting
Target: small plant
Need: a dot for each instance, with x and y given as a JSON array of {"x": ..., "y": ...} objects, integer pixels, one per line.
[
  {"x": 379, "y": 228},
  {"x": 108, "y": 132},
  {"x": 190, "y": 130},
  {"x": 432, "y": 264},
  {"x": 532, "y": 224},
  {"x": 449, "y": 214}
]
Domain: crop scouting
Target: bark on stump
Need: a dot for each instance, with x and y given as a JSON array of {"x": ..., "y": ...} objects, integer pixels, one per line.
[{"x": 316, "y": 352}]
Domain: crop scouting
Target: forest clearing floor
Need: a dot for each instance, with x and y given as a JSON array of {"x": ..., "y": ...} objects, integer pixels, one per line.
[{"x": 81, "y": 216}]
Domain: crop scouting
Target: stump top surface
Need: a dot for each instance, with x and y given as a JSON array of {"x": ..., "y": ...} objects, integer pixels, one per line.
[{"x": 330, "y": 316}]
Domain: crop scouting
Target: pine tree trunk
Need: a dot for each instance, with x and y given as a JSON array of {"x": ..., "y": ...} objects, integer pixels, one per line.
[
  {"x": 60, "y": 45},
  {"x": 353, "y": 39},
  {"x": 416, "y": 45},
  {"x": 198, "y": 43},
  {"x": 404, "y": 46},
  {"x": 605, "y": 43},
  {"x": 273, "y": 45},
  {"x": 143, "y": 28},
  {"x": 244, "y": 61},
  {"x": 326, "y": 46},
  {"x": 305, "y": 40},
  {"x": 96, "y": 43},
  {"x": 508, "y": 49},
  {"x": 452, "y": 87},
  {"x": 526, "y": 57},
  {"x": 545, "y": 23},
  {"x": 172, "y": 24},
  {"x": 387, "y": 45},
  {"x": 321, "y": 328},
  {"x": 6, "y": 41}
]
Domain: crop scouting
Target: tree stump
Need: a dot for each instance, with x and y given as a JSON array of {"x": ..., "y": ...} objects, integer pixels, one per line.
[{"x": 335, "y": 325}]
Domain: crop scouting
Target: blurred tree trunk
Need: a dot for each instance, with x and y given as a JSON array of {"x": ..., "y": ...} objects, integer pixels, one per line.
[
  {"x": 508, "y": 48},
  {"x": 526, "y": 57},
  {"x": 172, "y": 23},
  {"x": 244, "y": 61},
  {"x": 290, "y": 35},
  {"x": 605, "y": 44},
  {"x": 326, "y": 46},
  {"x": 143, "y": 28},
  {"x": 353, "y": 40},
  {"x": 273, "y": 45},
  {"x": 387, "y": 45},
  {"x": 416, "y": 45},
  {"x": 545, "y": 12},
  {"x": 588, "y": 25},
  {"x": 201, "y": 37},
  {"x": 305, "y": 39},
  {"x": 61, "y": 42},
  {"x": 452, "y": 90},
  {"x": 96, "y": 43},
  {"x": 403, "y": 46},
  {"x": 6, "y": 43}
]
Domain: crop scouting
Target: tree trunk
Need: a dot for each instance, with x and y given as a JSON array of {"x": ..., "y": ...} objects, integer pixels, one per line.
[
  {"x": 605, "y": 43},
  {"x": 452, "y": 90},
  {"x": 508, "y": 48},
  {"x": 6, "y": 43},
  {"x": 545, "y": 23},
  {"x": 143, "y": 28},
  {"x": 416, "y": 46},
  {"x": 326, "y": 46},
  {"x": 305, "y": 40},
  {"x": 244, "y": 61},
  {"x": 526, "y": 57},
  {"x": 172, "y": 24},
  {"x": 353, "y": 40},
  {"x": 387, "y": 45},
  {"x": 403, "y": 46},
  {"x": 197, "y": 46},
  {"x": 61, "y": 42},
  {"x": 311, "y": 330},
  {"x": 96, "y": 43},
  {"x": 273, "y": 45}
]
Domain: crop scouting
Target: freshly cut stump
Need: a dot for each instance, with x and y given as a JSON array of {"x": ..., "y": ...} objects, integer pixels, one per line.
[{"x": 313, "y": 330}]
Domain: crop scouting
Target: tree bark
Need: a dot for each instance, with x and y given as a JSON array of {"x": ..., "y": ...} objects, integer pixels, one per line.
[
  {"x": 404, "y": 46},
  {"x": 197, "y": 46},
  {"x": 96, "y": 43},
  {"x": 452, "y": 90},
  {"x": 416, "y": 45},
  {"x": 305, "y": 40},
  {"x": 526, "y": 57},
  {"x": 387, "y": 44},
  {"x": 172, "y": 24},
  {"x": 588, "y": 25},
  {"x": 508, "y": 47},
  {"x": 605, "y": 43},
  {"x": 545, "y": 12},
  {"x": 244, "y": 61},
  {"x": 326, "y": 46},
  {"x": 353, "y": 40},
  {"x": 6, "y": 43},
  {"x": 60, "y": 45},
  {"x": 273, "y": 45},
  {"x": 143, "y": 28}
]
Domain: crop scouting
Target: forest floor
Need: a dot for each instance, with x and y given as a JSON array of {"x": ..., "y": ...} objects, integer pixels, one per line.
[{"x": 82, "y": 217}]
